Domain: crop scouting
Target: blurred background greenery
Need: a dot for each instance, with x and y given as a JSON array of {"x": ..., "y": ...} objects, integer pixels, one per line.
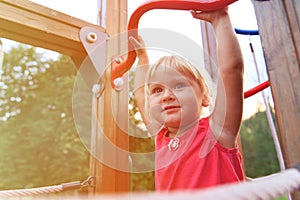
[{"x": 39, "y": 144}]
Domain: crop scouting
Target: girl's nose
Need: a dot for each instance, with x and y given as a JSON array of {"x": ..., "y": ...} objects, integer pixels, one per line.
[{"x": 168, "y": 95}]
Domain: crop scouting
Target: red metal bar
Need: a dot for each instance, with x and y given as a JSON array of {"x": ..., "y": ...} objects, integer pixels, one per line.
[
  {"x": 202, "y": 5},
  {"x": 256, "y": 89}
]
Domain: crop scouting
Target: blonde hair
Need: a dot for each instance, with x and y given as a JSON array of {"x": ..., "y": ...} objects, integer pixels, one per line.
[{"x": 181, "y": 65}]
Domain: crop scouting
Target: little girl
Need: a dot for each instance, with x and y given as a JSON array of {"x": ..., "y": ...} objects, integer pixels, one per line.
[{"x": 193, "y": 152}]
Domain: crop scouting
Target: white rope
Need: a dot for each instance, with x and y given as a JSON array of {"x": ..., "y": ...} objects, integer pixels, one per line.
[
  {"x": 44, "y": 190},
  {"x": 31, "y": 192},
  {"x": 265, "y": 188}
]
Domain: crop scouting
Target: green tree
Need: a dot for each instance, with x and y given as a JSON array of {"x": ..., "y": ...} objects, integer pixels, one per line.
[
  {"x": 259, "y": 152},
  {"x": 39, "y": 144},
  {"x": 139, "y": 143}
]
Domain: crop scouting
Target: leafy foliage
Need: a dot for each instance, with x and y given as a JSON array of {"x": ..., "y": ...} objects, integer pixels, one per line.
[
  {"x": 259, "y": 152},
  {"x": 39, "y": 142},
  {"x": 139, "y": 143}
]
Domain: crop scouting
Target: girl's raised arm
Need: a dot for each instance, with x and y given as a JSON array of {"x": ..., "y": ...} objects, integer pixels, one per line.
[{"x": 226, "y": 118}]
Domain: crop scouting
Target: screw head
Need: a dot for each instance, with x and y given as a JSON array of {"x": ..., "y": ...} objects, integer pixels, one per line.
[
  {"x": 119, "y": 83},
  {"x": 118, "y": 60}
]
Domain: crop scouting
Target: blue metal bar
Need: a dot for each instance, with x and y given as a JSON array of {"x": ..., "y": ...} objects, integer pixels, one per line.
[{"x": 246, "y": 32}]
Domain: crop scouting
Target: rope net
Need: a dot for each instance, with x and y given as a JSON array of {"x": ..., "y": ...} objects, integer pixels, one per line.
[
  {"x": 268, "y": 187},
  {"x": 264, "y": 188}
]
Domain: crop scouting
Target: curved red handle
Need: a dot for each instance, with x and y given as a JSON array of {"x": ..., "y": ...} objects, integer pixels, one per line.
[{"x": 201, "y": 5}]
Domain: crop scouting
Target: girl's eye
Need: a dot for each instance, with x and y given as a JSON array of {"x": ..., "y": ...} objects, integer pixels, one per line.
[
  {"x": 179, "y": 86},
  {"x": 156, "y": 90}
]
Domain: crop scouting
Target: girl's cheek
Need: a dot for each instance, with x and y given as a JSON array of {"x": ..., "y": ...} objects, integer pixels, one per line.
[
  {"x": 151, "y": 101},
  {"x": 156, "y": 113},
  {"x": 154, "y": 99}
]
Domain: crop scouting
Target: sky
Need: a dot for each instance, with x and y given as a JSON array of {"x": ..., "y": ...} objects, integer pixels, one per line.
[{"x": 241, "y": 12}]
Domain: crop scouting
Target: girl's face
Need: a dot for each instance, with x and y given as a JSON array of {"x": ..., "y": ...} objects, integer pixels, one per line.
[{"x": 175, "y": 100}]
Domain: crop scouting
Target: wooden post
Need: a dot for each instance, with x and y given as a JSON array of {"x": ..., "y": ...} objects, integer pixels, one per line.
[
  {"x": 112, "y": 112},
  {"x": 278, "y": 22}
]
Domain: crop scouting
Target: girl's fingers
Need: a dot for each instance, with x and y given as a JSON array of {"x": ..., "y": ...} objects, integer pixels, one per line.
[
  {"x": 139, "y": 47},
  {"x": 134, "y": 42}
]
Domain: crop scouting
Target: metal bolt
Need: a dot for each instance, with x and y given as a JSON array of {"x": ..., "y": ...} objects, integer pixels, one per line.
[
  {"x": 118, "y": 60},
  {"x": 91, "y": 37},
  {"x": 119, "y": 83},
  {"x": 98, "y": 89}
]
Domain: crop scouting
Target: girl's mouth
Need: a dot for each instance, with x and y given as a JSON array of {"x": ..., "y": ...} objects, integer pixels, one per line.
[{"x": 167, "y": 108}]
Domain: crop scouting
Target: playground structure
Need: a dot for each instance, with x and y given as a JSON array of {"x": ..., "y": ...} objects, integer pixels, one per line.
[{"x": 279, "y": 34}]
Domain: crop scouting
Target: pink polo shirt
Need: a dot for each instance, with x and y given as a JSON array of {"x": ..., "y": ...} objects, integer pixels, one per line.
[{"x": 197, "y": 161}]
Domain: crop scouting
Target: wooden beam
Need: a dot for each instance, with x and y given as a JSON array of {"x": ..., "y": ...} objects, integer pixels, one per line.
[
  {"x": 278, "y": 23},
  {"x": 116, "y": 23},
  {"x": 113, "y": 112},
  {"x": 26, "y": 22}
]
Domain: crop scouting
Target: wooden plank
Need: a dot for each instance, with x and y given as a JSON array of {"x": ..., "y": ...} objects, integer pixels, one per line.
[
  {"x": 116, "y": 23},
  {"x": 293, "y": 14},
  {"x": 122, "y": 137},
  {"x": 113, "y": 111},
  {"x": 279, "y": 32},
  {"x": 26, "y": 22}
]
